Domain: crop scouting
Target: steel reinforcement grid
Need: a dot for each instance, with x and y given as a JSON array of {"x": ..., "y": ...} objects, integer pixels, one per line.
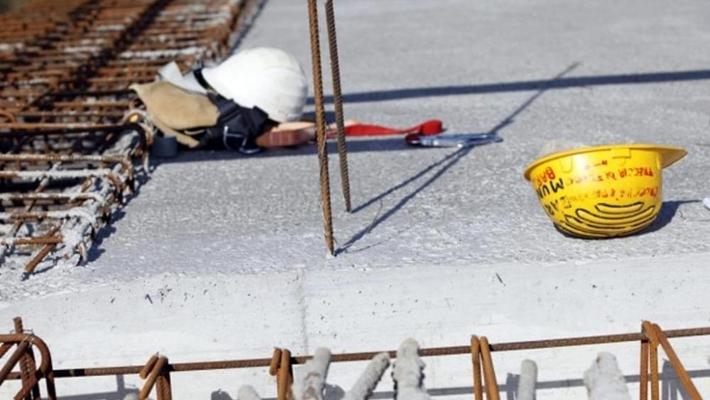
[{"x": 73, "y": 147}]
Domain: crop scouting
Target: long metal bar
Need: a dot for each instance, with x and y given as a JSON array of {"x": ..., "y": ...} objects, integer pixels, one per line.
[
  {"x": 44, "y": 252},
  {"x": 15, "y": 357},
  {"x": 341, "y": 144},
  {"x": 47, "y": 196},
  {"x": 320, "y": 126},
  {"x": 476, "y": 361},
  {"x": 63, "y": 158},
  {"x": 364, "y": 356},
  {"x": 157, "y": 370},
  {"x": 653, "y": 365},
  {"x": 59, "y": 127}
]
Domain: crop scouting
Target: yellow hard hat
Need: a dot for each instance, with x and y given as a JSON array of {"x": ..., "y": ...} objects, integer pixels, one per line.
[{"x": 602, "y": 191}]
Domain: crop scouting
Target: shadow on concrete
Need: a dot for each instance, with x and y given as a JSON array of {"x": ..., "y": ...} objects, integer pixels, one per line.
[
  {"x": 119, "y": 394},
  {"x": 108, "y": 229},
  {"x": 445, "y": 164},
  {"x": 394, "y": 144},
  {"x": 518, "y": 86},
  {"x": 671, "y": 389},
  {"x": 219, "y": 394},
  {"x": 669, "y": 209},
  {"x": 105, "y": 231},
  {"x": 354, "y": 146}
]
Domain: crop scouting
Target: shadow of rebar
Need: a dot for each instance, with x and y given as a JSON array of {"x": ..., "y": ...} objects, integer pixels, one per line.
[
  {"x": 521, "y": 86},
  {"x": 119, "y": 394},
  {"x": 445, "y": 163}
]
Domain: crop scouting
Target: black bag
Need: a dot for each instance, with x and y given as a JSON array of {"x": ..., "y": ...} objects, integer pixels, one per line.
[{"x": 237, "y": 127}]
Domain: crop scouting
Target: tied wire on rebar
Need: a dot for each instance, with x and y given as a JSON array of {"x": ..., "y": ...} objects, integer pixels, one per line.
[
  {"x": 338, "y": 104},
  {"x": 320, "y": 126}
]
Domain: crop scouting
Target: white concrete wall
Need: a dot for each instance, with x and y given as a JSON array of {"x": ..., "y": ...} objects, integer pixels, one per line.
[{"x": 213, "y": 317}]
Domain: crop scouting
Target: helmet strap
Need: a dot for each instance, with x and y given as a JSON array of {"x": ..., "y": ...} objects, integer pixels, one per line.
[
  {"x": 201, "y": 80},
  {"x": 237, "y": 127}
]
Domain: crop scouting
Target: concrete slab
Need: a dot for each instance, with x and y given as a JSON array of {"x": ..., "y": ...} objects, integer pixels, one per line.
[{"x": 462, "y": 230}]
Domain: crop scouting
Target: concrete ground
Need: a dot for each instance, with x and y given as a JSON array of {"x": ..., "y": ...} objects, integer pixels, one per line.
[{"x": 222, "y": 256}]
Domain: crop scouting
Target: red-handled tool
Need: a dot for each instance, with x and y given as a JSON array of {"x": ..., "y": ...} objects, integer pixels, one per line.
[{"x": 426, "y": 128}]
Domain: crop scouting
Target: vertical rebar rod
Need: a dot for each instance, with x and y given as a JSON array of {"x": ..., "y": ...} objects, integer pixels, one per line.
[
  {"x": 653, "y": 361},
  {"x": 476, "y": 361},
  {"x": 27, "y": 366},
  {"x": 320, "y": 126},
  {"x": 643, "y": 370},
  {"x": 681, "y": 372},
  {"x": 284, "y": 378},
  {"x": 338, "y": 103},
  {"x": 164, "y": 386},
  {"x": 489, "y": 374}
]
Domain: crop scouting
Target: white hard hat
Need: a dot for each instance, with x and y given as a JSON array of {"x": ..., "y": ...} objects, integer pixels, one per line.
[{"x": 268, "y": 78}]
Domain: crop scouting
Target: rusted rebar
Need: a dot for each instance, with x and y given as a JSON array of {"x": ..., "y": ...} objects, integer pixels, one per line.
[
  {"x": 285, "y": 375},
  {"x": 643, "y": 375},
  {"x": 65, "y": 68},
  {"x": 14, "y": 358},
  {"x": 489, "y": 375},
  {"x": 27, "y": 367},
  {"x": 657, "y": 337},
  {"x": 365, "y": 356},
  {"x": 24, "y": 341},
  {"x": 341, "y": 144},
  {"x": 476, "y": 368},
  {"x": 152, "y": 371},
  {"x": 320, "y": 126},
  {"x": 157, "y": 370},
  {"x": 37, "y": 259}
]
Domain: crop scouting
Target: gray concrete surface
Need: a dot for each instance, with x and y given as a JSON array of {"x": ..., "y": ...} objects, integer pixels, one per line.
[{"x": 635, "y": 71}]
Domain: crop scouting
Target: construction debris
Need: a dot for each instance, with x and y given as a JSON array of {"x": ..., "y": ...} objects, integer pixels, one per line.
[{"x": 72, "y": 151}]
